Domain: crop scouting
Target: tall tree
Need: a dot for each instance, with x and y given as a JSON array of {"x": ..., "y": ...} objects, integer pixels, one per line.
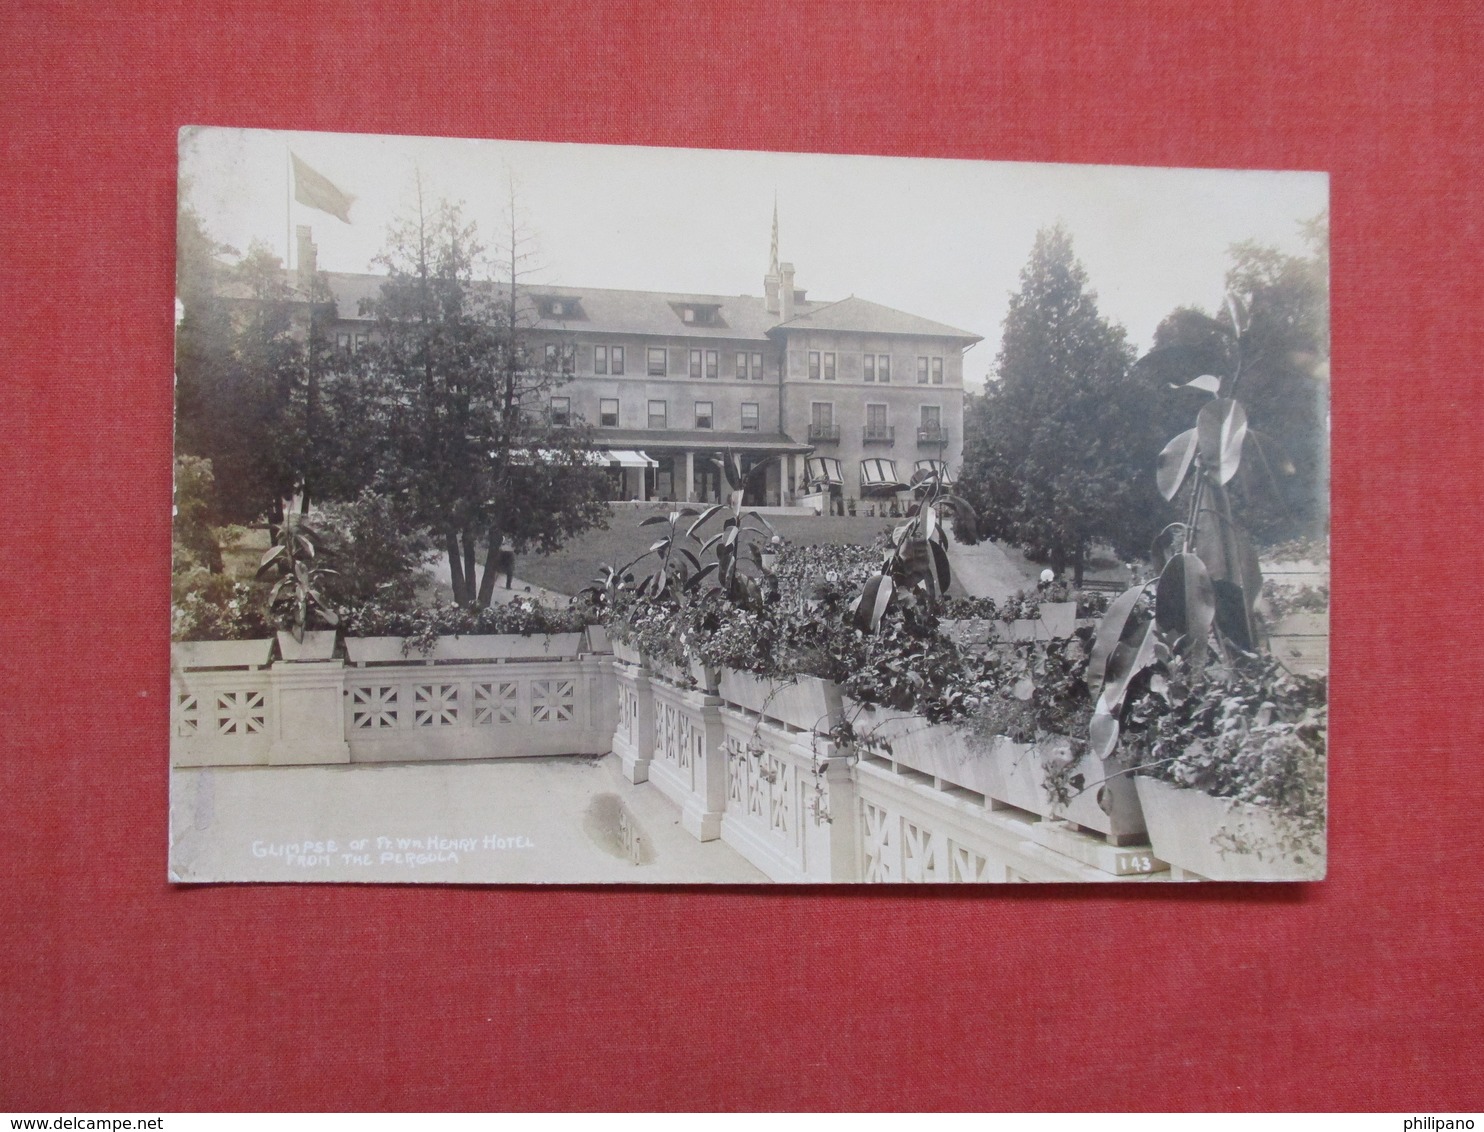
[
  {"x": 1056, "y": 451},
  {"x": 1285, "y": 377},
  {"x": 457, "y": 406}
]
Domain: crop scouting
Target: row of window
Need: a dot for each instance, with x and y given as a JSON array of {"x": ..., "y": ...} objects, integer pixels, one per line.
[
  {"x": 874, "y": 368},
  {"x": 822, "y": 417},
  {"x": 658, "y": 413}
]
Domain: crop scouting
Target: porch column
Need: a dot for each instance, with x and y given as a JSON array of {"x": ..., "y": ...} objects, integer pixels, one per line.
[{"x": 689, "y": 495}]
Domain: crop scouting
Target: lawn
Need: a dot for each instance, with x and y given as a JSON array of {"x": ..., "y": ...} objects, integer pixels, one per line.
[{"x": 577, "y": 563}]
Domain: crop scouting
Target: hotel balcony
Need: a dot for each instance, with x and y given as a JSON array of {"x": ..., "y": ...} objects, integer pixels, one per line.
[
  {"x": 879, "y": 434},
  {"x": 824, "y": 434},
  {"x": 932, "y": 437}
]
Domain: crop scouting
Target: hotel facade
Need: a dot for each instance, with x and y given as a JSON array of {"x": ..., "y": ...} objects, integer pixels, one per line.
[{"x": 843, "y": 399}]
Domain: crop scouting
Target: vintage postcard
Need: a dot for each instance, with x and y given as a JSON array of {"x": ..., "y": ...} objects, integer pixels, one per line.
[{"x": 593, "y": 514}]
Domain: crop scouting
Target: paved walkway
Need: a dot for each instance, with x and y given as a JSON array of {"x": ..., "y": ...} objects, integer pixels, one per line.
[
  {"x": 986, "y": 570},
  {"x": 567, "y": 820}
]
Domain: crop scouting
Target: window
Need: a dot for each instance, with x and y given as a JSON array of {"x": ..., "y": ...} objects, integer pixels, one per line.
[
  {"x": 870, "y": 368},
  {"x": 703, "y": 414},
  {"x": 556, "y": 308},
  {"x": 695, "y": 364},
  {"x": 551, "y": 355},
  {"x": 822, "y": 422},
  {"x": 608, "y": 412},
  {"x": 749, "y": 416},
  {"x": 343, "y": 341},
  {"x": 600, "y": 359},
  {"x": 937, "y": 371},
  {"x": 361, "y": 340},
  {"x": 829, "y": 367},
  {"x": 883, "y": 368},
  {"x": 561, "y": 410},
  {"x": 713, "y": 365},
  {"x": 932, "y": 418},
  {"x": 741, "y": 365},
  {"x": 877, "y": 430},
  {"x": 564, "y": 356},
  {"x": 813, "y": 365},
  {"x": 757, "y": 367},
  {"x": 659, "y": 414},
  {"x": 656, "y": 361},
  {"x": 688, "y": 314},
  {"x": 922, "y": 371},
  {"x": 615, "y": 355}
]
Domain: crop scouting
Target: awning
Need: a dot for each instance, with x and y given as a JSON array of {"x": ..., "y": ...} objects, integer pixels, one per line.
[
  {"x": 932, "y": 469},
  {"x": 630, "y": 458},
  {"x": 618, "y": 457},
  {"x": 880, "y": 475},
  {"x": 823, "y": 470}
]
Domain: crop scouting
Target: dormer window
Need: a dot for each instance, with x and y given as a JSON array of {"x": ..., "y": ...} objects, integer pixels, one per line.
[
  {"x": 559, "y": 307},
  {"x": 699, "y": 314}
]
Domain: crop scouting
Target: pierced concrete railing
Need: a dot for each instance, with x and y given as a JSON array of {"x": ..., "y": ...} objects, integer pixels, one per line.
[{"x": 469, "y": 698}]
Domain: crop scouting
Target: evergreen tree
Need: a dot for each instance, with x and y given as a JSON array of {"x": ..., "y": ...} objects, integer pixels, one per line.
[{"x": 1057, "y": 452}]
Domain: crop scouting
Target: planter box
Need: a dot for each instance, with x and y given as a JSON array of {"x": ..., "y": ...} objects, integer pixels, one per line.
[
  {"x": 1016, "y": 775},
  {"x": 939, "y": 749},
  {"x": 1058, "y": 619},
  {"x": 1300, "y": 642},
  {"x": 695, "y": 675},
  {"x": 1184, "y": 825},
  {"x": 804, "y": 703},
  {"x": 625, "y": 652},
  {"x": 196, "y": 656},
  {"x": 464, "y": 649},
  {"x": 318, "y": 644}
]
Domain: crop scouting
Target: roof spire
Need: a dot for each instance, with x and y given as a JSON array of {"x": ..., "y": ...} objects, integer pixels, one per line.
[{"x": 773, "y": 258}]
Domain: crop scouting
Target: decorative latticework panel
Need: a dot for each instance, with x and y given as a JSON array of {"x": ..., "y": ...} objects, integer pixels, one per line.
[
  {"x": 879, "y": 843},
  {"x": 374, "y": 707},
  {"x": 780, "y": 776},
  {"x": 435, "y": 705},
  {"x": 496, "y": 702},
  {"x": 187, "y": 715},
  {"x": 552, "y": 701},
  {"x": 919, "y": 854},
  {"x": 965, "y": 865},
  {"x": 240, "y": 713},
  {"x": 675, "y": 734},
  {"x": 736, "y": 772}
]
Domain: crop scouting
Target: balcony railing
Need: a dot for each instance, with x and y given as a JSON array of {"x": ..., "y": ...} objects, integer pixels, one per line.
[
  {"x": 879, "y": 434},
  {"x": 932, "y": 436},
  {"x": 824, "y": 434}
]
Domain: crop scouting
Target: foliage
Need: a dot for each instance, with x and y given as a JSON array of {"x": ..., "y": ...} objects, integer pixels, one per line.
[
  {"x": 1175, "y": 665},
  {"x": 1053, "y": 447},
  {"x": 453, "y": 400},
  {"x": 1251, "y": 731},
  {"x": 214, "y": 607},
  {"x": 423, "y": 625},
  {"x": 969, "y": 609},
  {"x": 378, "y": 550},
  {"x": 193, "y": 536},
  {"x": 1280, "y": 601},
  {"x": 296, "y": 599},
  {"x": 1285, "y": 370},
  {"x": 1034, "y": 689}
]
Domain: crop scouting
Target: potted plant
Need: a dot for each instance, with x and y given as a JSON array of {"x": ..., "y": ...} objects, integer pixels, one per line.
[
  {"x": 1219, "y": 734},
  {"x": 295, "y": 600}
]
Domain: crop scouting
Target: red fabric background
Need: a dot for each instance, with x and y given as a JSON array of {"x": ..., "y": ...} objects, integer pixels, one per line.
[{"x": 118, "y": 992}]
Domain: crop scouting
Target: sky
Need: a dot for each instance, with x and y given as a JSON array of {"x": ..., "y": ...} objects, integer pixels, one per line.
[{"x": 943, "y": 239}]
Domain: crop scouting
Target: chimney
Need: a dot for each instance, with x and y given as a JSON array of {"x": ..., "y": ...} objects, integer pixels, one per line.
[
  {"x": 787, "y": 288},
  {"x": 308, "y": 257},
  {"x": 770, "y": 293}
]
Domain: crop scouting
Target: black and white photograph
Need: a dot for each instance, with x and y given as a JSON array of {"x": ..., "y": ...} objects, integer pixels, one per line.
[{"x": 579, "y": 514}]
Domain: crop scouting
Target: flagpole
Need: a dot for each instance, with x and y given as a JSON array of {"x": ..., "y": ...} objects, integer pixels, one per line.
[{"x": 288, "y": 201}]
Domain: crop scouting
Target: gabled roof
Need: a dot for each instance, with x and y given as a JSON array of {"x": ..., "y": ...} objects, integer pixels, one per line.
[
  {"x": 865, "y": 316},
  {"x": 657, "y": 314}
]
